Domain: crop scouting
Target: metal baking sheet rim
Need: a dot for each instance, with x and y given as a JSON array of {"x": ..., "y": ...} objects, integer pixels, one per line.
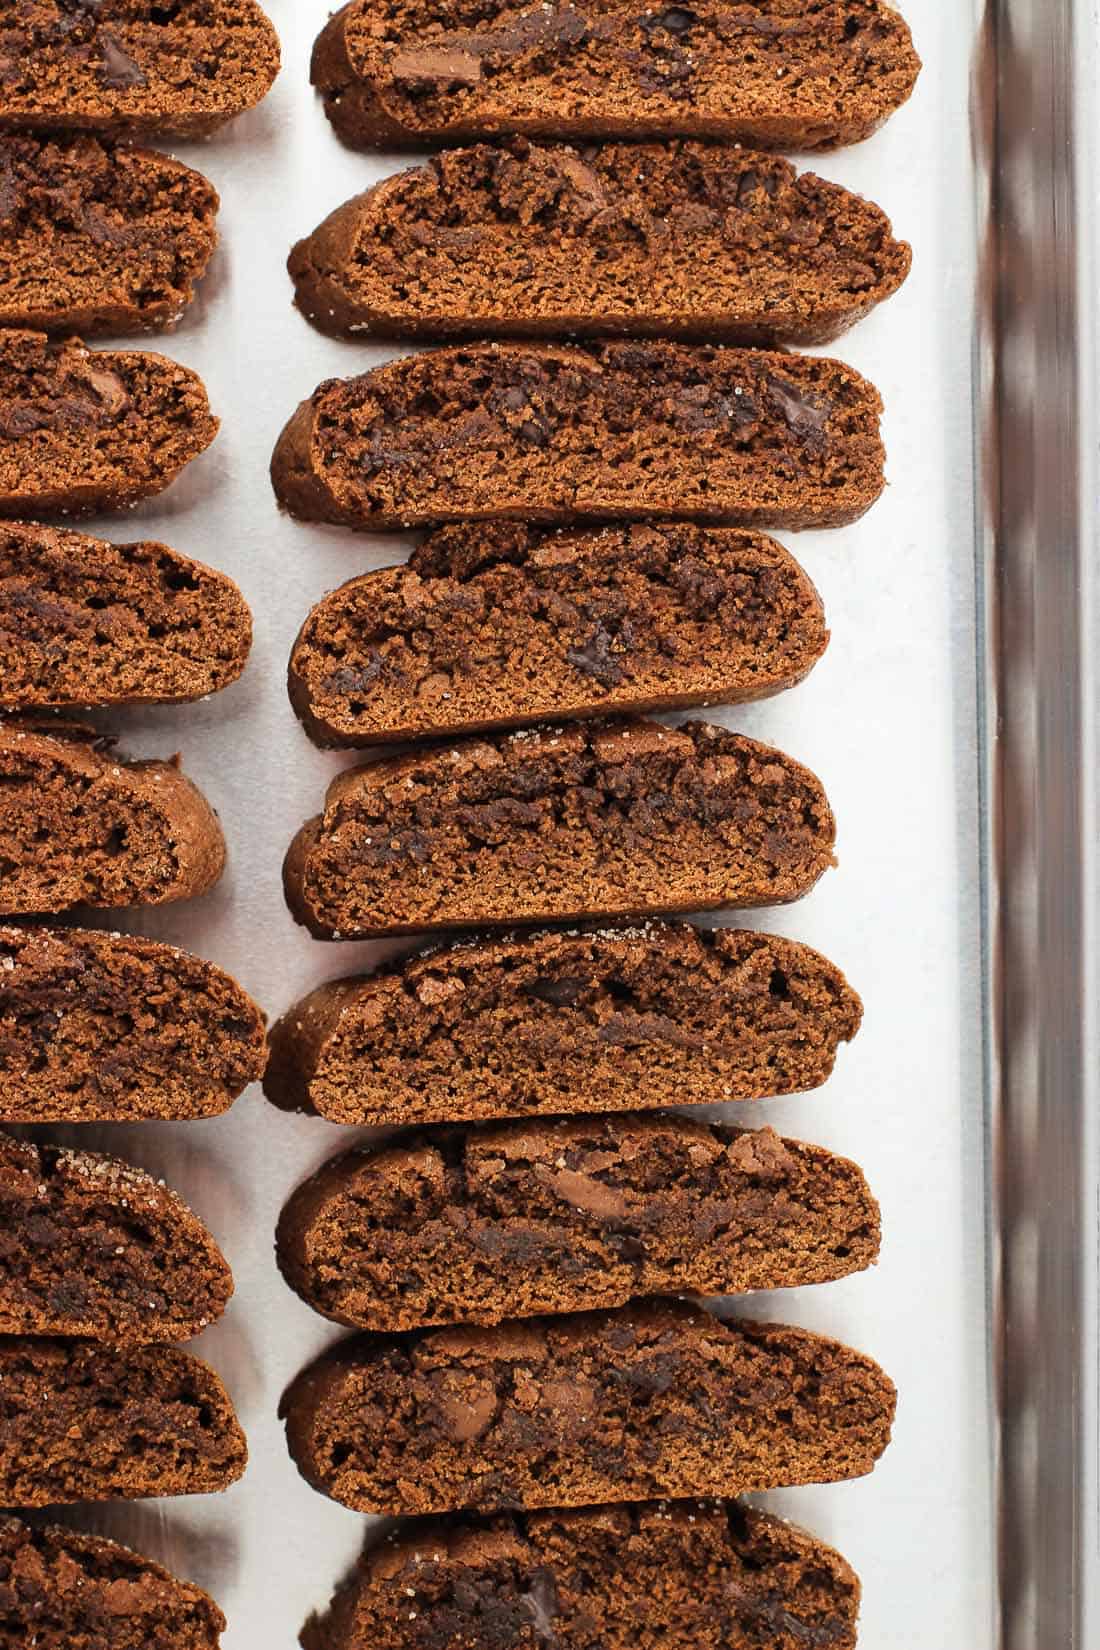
[
  {"x": 1036, "y": 109},
  {"x": 1033, "y": 68}
]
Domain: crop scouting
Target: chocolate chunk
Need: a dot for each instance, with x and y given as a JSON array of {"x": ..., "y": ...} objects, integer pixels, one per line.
[
  {"x": 563, "y": 992},
  {"x": 806, "y": 414},
  {"x": 430, "y": 68},
  {"x": 595, "y": 657},
  {"x": 674, "y": 20},
  {"x": 541, "y": 1602},
  {"x": 119, "y": 70}
]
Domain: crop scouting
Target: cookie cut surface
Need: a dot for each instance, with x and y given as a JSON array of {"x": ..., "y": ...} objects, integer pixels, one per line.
[
  {"x": 514, "y": 1220},
  {"x": 96, "y": 237},
  {"x": 184, "y": 67},
  {"x": 650, "y": 1400},
  {"x": 496, "y": 626},
  {"x": 60, "y": 1590},
  {"x": 103, "y": 1028},
  {"x": 660, "y": 1015},
  {"x": 676, "y": 240},
  {"x": 646, "y": 1577},
  {"x": 84, "y": 430},
  {"x": 552, "y": 433},
  {"x": 595, "y": 819},
  {"x": 785, "y": 74},
  {"x": 93, "y": 1247},
  {"x": 79, "y": 826},
  {"x": 85, "y": 622},
  {"x": 90, "y": 1423}
]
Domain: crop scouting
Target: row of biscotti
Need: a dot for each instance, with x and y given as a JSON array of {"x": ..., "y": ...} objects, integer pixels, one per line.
[
  {"x": 634, "y": 431},
  {"x": 484, "y": 627},
  {"x": 599, "y": 819},
  {"x": 101, "y": 1266},
  {"x": 685, "y": 240},
  {"x": 98, "y": 1027},
  {"x": 793, "y": 74}
]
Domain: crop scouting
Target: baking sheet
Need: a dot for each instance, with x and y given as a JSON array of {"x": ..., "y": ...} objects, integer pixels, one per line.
[{"x": 888, "y": 719}]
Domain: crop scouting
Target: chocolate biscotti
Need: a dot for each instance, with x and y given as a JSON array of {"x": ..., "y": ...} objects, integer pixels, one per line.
[
  {"x": 514, "y": 1220},
  {"x": 93, "y": 1247},
  {"x": 84, "y": 622},
  {"x": 674, "y": 240},
  {"x": 496, "y": 626},
  {"x": 594, "y": 819},
  {"x": 60, "y": 1590},
  {"x": 185, "y": 67},
  {"x": 786, "y": 74},
  {"x": 669, "y": 1574},
  {"x": 81, "y": 1422},
  {"x": 84, "y": 430},
  {"x": 552, "y": 433},
  {"x": 80, "y": 826},
  {"x": 98, "y": 237},
  {"x": 108, "y": 1028},
  {"x": 650, "y": 1400},
  {"x": 552, "y": 1022}
]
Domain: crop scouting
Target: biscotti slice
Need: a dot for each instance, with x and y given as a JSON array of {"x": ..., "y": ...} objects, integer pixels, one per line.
[
  {"x": 80, "y": 826},
  {"x": 552, "y": 1021},
  {"x": 84, "y": 622},
  {"x": 60, "y": 1590},
  {"x": 650, "y": 1400},
  {"x": 497, "y": 626},
  {"x": 81, "y": 1422},
  {"x": 97, "y": 237},
  {"x": 84, "y": 430},
  {"x": 675, "y": 1575},
  {"x": 786, "y": 74},
  {"x": 673, "y": 240},
  {"x": 549, "y": 433},
  {"x": 185, "y": 67},
  {"x": 92, "y": 1247},
  {"x": 474, "y": 1226},
  {"x": 593, "y": 819},
  {"x": 106, "y": 1028}
]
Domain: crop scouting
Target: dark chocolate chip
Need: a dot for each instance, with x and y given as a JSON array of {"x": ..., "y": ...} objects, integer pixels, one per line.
[
  {"x": 542, "y": 1604},
  {"x": 119, "y": 71},
  {"x": 674, "y": 20},
  {"x": 562, "y": 993}
]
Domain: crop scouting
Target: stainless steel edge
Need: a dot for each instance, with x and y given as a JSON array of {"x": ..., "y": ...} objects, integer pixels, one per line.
[{"x": 1035, "y": 108}]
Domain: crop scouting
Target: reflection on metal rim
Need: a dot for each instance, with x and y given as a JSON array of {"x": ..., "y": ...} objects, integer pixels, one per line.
[{"x": 1034, "y": 103}]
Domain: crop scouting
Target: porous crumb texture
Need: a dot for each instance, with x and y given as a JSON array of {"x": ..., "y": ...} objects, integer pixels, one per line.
[
  {"x": 657, "y": 1576},
  {"x": 178, "y": 66},
  {"x": 88, "y": 1423},
  {"x": 594, "y": 819},
  {"x": 649, "y": 1400},
  {"x": 634, "y": 431},
  {"x": 496, "y": 626},
  {"x": 64, "y": 1591},
  {"x": 786, "y": 74},
  {"x": 92, "y": 1247},
  {"x": 675, "y": 240},
  {"x": 84, "y": 430},
  {"x": 515, "y": 1220},
  {"x": 96, "y": 237},
  {"x": 79, "y": 826},
  {"x": 84, "y": 622},
  {"x": 661, "y": 1015},
  {"x": 107, "y": 1028}
]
